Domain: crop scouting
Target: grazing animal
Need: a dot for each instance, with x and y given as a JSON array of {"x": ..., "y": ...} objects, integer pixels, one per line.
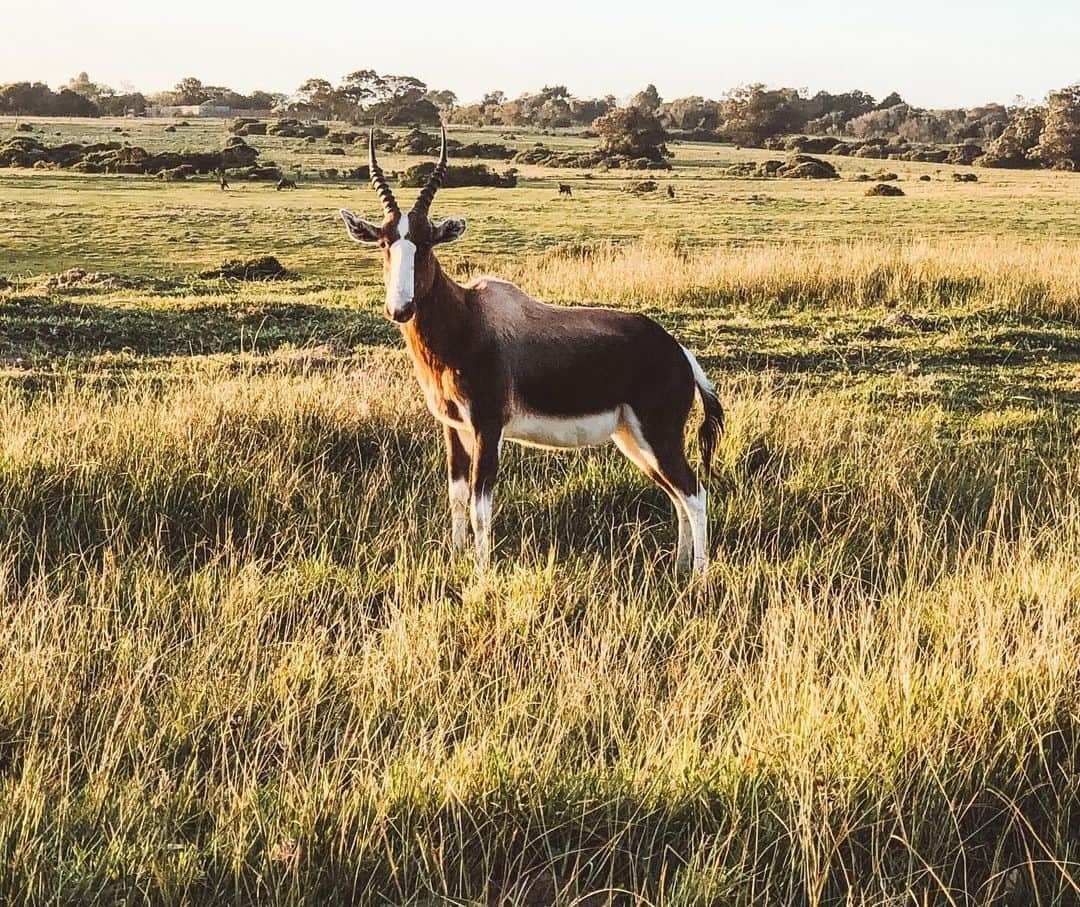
[
  {"x": 495, "y": 364},
  {"x": 670, "y": 191},
  {"x": 222, "y": 180},
  {"x": 564, "y": 189},
  {"x": 285, "y": 184}
]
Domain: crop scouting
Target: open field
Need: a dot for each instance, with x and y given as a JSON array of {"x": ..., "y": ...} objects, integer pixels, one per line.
[{"x": 239, "y": 666}]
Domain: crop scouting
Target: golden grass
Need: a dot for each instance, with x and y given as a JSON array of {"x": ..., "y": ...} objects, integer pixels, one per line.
[
  {"x": 236, "y": 665},
  {"x": 1031, "y": 278}
]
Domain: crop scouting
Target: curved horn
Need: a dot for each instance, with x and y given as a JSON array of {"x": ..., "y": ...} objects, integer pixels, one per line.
[
  {"x": 378, "y": 181},
  {"x": 423, "y": 203}
]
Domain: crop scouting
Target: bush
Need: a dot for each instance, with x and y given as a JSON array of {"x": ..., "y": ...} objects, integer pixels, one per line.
[
  {"x": 247, "y": 126},
  {"x": 802, "y": 166},
  {"x": 265, "y": 268},
  {"x": 630, "y": 132},
  {"x": 458, "y": 175},
  {"x": 177, "y": 173},
  {"x": 885, "y": 189},
  {"x": 642, "y": 187},
  {"x": 965, "y": 177},
  {"x": 925, "y": 178}
]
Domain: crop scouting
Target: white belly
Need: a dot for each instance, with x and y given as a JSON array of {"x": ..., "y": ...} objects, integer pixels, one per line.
[{"x": 539, "y": 430}]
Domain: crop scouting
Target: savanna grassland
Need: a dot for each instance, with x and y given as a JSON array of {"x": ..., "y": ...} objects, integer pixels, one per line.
[{"x": 239, "y": 664}]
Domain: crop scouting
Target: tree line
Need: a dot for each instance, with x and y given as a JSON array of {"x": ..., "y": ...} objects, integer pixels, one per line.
[{"x": 1021, "y": 135}]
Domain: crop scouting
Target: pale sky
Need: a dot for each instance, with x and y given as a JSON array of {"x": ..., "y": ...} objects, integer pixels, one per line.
[{"x": 936, "y": 53}]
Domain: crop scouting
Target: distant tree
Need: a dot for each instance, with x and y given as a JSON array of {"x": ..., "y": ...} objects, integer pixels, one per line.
[
  {"x": 1059, "y": 143},
  {"x": 92, "y": 91},
  {"x": 691, "y": 113},
  {"x": 890, "y": 100},
  {"x": 631, "y": 132},
  {"x": 585, "y": 111},
  {"x": 314, "y": 97},
  {"x": 648, "y": 99},
  {"x": 445, "y": 100},
  {"x": 1015, "y": 146},
  {"x": 190, "y": 91},
  {"x": 754, "y": 113}
]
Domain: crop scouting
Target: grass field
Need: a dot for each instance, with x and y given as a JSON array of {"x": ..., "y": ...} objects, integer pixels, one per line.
[{"x": 240, "y": 666}]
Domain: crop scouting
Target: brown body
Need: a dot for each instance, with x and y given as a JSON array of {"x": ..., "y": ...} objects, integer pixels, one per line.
[{"x": 495, "y": 364}]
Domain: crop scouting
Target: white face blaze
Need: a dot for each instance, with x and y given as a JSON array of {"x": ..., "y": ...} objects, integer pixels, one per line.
[{"x": 401, "y": 285}]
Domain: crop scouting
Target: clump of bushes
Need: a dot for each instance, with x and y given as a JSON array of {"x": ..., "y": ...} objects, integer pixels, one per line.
[
  {"x": 925, "y": 178},
  {"x": 885, "y": 189},
  {"x": 458, "y": 175},
  {"x": 176, "y": 174},
  {"x": 248, "y": 126},
  {"x": 112, "y": 157},
  {"x": 269, "y": 173},
  {"x": 265, "y": 268},
  {"x": 803, "y": 166},
  {"x": 965, "y": 177},
  {"x": 540, "y": 154},
  {"x": 293, "y": 129},
  {"x": 642, "y": 187},
  {"x": 802, "y": 144}
]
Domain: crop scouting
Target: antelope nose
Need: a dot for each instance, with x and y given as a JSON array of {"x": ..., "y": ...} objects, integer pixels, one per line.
[{"x": 402, "y": 313}]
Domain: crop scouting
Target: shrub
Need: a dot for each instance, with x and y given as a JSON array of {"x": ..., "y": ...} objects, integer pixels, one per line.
[
  {"x": 885, "y": 189},
  {"x": 458, "y": 175},
  {"x": 641, "y": 187},
  {"x": 802, "y": 166},
  {"x": 265, "y": 268},
  {"x": 632, "y": 133},
  {"x": 925, "y": 178}
]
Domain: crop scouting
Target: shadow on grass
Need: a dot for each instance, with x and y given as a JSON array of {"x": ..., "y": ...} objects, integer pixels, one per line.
[{"x": 36, "y": 326}]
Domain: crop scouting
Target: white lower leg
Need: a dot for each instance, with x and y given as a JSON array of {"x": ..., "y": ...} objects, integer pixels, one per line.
[
  {"x": 697, "y": 510},
  {"x": 481, "y": 523},
  {"x": 459, "y": 513},
  {"x": 685, "y": 552}
]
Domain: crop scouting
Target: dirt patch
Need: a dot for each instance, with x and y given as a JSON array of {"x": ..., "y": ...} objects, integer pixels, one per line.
[
  {"x": 265, "y": 268},
  {"x": 77, "y": 278}
]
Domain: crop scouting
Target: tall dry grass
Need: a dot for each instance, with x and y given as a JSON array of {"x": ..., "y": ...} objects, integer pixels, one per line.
[
  {"x": 1041, "y": 279},
  {"x": 237, "y": 665}
]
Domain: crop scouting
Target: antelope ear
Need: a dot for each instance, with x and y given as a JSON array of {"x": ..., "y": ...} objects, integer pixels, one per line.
[
  {"x": 359, "y": 229},
  {"x": 448, "y": 230}
]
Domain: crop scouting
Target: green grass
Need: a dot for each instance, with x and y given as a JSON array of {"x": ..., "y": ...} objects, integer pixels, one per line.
[{"x": 239, "y": 665}]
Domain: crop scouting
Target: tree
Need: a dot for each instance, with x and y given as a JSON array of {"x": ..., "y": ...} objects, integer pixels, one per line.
[
  {"x": 190, "y": 91},
  {"x": 754, "y": 113},
  {"x": 631, "y": 132},
  {"x": 314, "y": 97},
  {"x": 648, "y": 99},
  {"x": 890, "y": 100},
  {"x": 1015, "y": 146},
  {"x": 1059, "y": 143}
]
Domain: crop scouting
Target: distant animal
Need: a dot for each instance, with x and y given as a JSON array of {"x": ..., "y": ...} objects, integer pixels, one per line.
[
  {"x": 222, "y": 180},
  {"x": 284, "y": 183},
  {"x": 670, "y": 191},
  {"x": 565, "y": 189},
  {"x": 495, "y": 364}
]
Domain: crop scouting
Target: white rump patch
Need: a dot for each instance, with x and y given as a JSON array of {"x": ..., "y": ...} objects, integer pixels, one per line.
[
  {"x": 560, "y": 432},
  {"x": 402, "y": 285}
]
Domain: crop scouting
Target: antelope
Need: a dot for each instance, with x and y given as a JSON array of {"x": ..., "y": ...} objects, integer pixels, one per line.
[
  {"x": 564, "y": 189},
  {"x": 495, "y": 364}
]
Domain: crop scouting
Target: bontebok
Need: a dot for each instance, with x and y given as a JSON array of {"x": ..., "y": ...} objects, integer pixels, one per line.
[{"x": 495, "y": 364}]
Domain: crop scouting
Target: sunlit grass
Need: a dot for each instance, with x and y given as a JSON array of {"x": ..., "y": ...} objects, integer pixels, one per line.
[{"x": 239, "y": 664}]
